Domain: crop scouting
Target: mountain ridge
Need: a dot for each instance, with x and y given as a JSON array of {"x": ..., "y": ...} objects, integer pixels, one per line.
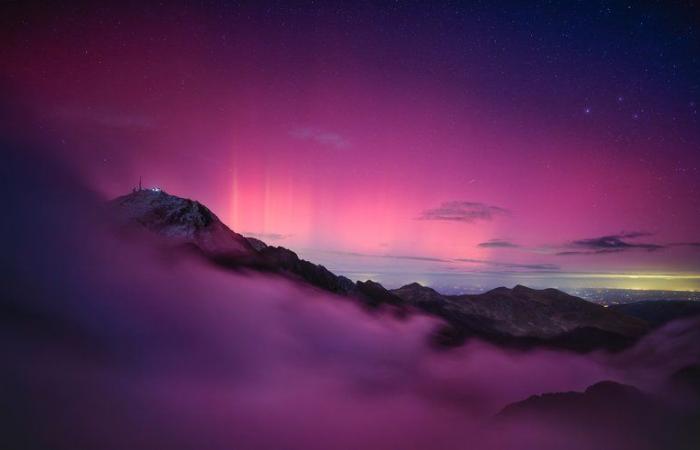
[{"x": 520, "y": 316}]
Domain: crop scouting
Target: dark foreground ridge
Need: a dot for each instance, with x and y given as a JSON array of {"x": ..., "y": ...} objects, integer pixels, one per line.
[
  {"x": 607, "y": 407},
  {"x": 519, "y": 317}
]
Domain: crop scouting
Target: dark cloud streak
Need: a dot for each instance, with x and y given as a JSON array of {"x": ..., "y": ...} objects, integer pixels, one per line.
[
  {"x": 613, "y": 243},
  {"x": 498, "y": 243},
  {"x": 268, "y": 236},
  {"x": 408, "y": 257},
  {"x": 539, "y": 267},
  {"x": 463, "y": 211}
]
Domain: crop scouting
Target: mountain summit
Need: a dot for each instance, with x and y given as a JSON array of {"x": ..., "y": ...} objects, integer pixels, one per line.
[
  {"x": 181, "y": 221},
  {"x": 184, "y": 222}
]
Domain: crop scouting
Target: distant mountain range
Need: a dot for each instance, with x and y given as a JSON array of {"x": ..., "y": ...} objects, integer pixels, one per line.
[
  {"x": 520, "y": 316},
  {"x": 523, "y": 316}
]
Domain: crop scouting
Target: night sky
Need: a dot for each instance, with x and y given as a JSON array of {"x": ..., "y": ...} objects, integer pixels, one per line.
[{"x": 554, "y": 144}]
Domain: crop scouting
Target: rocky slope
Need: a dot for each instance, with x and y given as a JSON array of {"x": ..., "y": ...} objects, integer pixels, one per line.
[
  {"x": 528, "y": 315},
  {"x": 187, "y": 223},
  {"x": 180, "y": 221}
]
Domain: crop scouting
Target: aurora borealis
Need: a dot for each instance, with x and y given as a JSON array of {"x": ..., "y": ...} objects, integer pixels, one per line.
[{"x": 554, "y": 142}]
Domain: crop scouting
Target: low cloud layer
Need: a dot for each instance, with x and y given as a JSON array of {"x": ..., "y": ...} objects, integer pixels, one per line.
[
  {"x": 463, "y": 211},
  {"x": 115, "y": 343}
]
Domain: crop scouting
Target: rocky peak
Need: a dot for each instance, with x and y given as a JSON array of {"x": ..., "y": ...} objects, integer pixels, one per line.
[{"x": 180, "y": 221}]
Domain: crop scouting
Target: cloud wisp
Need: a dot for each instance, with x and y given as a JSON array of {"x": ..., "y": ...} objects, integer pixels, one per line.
[
  {"x": 464, "y": 211},
  {"x": 685, "y": 244},
  {"x": 106, "y": 119},
  {"x": 507, "y": 265},
  {"x": 268, "y": 236},
  {"x": 390, "y": 256},
  {"x": 321, "y": 137},
  {"x": 497, "y": 243}
]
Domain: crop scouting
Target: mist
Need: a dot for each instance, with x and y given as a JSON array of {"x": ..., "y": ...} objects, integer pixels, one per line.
[{"x": 114, "y": 342}]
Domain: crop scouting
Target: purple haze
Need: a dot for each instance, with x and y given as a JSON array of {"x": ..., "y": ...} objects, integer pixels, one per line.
[{"x": 116, "y": 344}]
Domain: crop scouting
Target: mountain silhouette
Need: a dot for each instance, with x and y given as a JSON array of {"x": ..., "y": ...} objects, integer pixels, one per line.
[{"x": 519, "y": 316}]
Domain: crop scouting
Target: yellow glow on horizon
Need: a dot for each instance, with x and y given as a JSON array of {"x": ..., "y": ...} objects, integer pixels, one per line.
[{"x": 649, "y": 276}]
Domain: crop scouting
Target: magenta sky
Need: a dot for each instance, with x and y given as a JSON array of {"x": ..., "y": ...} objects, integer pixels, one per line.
[{"x": 397, "y": 141}]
